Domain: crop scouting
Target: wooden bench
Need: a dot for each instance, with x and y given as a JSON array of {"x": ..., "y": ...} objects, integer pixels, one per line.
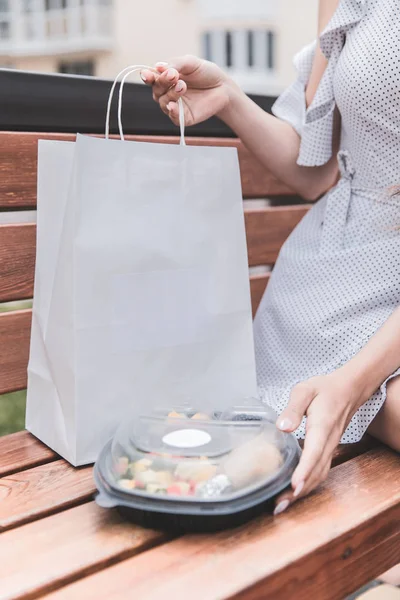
[{"x": 56, "y": 543}]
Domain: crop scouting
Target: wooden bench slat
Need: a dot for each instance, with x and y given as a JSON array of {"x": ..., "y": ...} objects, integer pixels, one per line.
[
  {"x": 267, "y": 229},
  {"x": 41, "y": 491},
  {"x": 325, "y": 547},
  {"x": 18, "y": 166},
  {"x": 15, "y": 331},
  {"x": 17, "y": 261},
  {"x": 346, "y": 452},
  {"x": 258, "y": 284},
  {"x": 65, "y": 547},
  {"x": 15, "y": 340},
  {"x": 22, "y": 450}
]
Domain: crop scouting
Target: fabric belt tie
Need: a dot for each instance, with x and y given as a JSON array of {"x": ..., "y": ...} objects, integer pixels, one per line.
[{"x": 338, "y": 203}]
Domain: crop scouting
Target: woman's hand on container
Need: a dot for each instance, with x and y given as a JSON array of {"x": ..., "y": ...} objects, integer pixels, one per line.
[
  {"x": 329, "y": 402},
  {"x": 202, "y": 85}
]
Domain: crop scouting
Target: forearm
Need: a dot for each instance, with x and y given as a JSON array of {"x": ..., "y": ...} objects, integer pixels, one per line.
[
  {"x": 376, "y": 361},
  {"x": 276, "y": 145}
]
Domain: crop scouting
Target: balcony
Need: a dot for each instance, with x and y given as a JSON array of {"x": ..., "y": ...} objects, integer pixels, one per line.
[{"x": 48, "y": 27}]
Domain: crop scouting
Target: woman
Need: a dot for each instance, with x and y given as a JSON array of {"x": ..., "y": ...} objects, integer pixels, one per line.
[{"x": 327, "y": 332}]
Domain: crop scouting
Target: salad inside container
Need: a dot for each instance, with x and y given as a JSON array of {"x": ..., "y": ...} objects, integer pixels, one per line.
[{"x": 191, "y": 470}]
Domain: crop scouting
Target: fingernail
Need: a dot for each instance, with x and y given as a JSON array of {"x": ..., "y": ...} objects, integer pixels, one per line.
[
  {"x": 299, "y": 488},
  {"x": 179, "y": 86},
  {"x": 171, "y": 73},
  {"x": 282, "y": 506},
  {"x": 161, "y": 64},
  {"x": 285, "y": 424},
  {"x": 169, "y": 106},
  {"x": 143, "y": 77}
]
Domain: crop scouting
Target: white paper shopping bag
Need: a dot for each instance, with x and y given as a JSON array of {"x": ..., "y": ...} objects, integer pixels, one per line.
[{"x": 142, "y": 291}]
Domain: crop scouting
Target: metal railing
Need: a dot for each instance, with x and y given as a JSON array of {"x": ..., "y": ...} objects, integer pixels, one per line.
[{"x": 71, "y": 104}]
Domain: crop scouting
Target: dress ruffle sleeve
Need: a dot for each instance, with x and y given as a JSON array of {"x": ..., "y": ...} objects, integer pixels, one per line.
[{"x": 314, "y": 123}]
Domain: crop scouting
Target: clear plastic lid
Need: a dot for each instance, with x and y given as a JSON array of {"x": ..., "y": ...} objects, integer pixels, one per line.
[{"x": 187, "y": 455}]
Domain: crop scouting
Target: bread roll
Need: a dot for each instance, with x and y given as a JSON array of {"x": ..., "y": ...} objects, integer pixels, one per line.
[{"x": 251, "y": 462}]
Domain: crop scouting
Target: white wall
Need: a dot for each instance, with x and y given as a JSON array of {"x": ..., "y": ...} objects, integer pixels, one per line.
[
  {"x": 148, "y": 31},
  {"x": 238, "y": 10},
  {"x": 296, "y": 26}
]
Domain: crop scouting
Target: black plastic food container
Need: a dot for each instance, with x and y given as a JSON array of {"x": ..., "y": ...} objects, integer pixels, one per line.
[{"x": 190, "y": 471}]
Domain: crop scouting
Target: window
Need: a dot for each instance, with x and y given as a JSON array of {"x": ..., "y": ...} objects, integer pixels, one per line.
[
  {"x": 28, "y": 6},
  {"x": 207, "y": 52},
  {"x": 55, "y": 4},
  {"x": 250, "y": 48},
  {"x": 4, "y": 24},
  {"x": 84, "y": 67},
  {"x": 4, "y": 30},
  {"x": 253, "y": 49},
  {"x": 270, "y": 50},
  {"x": 228, "y": 49}
]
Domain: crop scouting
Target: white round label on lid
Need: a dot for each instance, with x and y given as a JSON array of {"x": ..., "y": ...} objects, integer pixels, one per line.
[{"x": 187, "y": 438}]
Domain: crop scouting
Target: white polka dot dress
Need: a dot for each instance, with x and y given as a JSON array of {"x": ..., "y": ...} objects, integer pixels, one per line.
[{"x": 337, "y": 279}]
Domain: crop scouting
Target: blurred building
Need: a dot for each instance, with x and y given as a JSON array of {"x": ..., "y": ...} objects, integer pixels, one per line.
[
  {"x": 94, "y": 37},
  {"x": 254, "y": 40}
]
